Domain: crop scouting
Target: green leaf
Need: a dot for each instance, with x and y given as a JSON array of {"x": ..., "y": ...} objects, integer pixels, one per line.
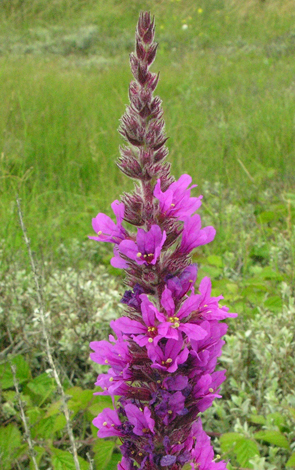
[
  {"x": 291, "y": 461},
  {"x": 103, "y": 451},
  {"x": 229, "y": 440},
  {"x": 42, "y": 387},
  {"x": 267, "y": 216},
  {"x": 83, "y": 397},
  {"x": 10, "y": 439},
  {"x": 269, "y": 273},
  {"x": 215, "y": 261},
  {"x": 103, "y": 402},
  {"x": 274, "y": 303},
  {"x": 62, "y": 460},
  {"x": 257, "y": 419},
  {"x": 23, "y": 373},
  {"x": 273, "y": 437},
  {"x": 210, "y": 271},
  {"x": 113, "y": 463},
  {"x": 39, "y": 453},
  {"x": 276, "y": 419},
  {"x": 46, "y": 427},
  {"x": 245, "y": 450}
]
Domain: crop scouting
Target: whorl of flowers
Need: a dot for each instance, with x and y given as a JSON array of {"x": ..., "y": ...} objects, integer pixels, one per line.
[{"x": 165, "y": 351}]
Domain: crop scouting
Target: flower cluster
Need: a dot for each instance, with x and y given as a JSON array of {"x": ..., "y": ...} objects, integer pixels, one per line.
[{"x": 164, "y": 353}]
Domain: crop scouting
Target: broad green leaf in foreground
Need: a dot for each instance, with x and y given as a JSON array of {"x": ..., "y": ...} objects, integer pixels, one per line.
[
  {"x": 10, "y": 439},
  {"x": 273, "y": 437},
  {"x": 23, "y": 373},
  {"x": 62, "y": 460},
  {"x": 291, "y": 461},
  {"x": 103, "y": 451},
  {"x": 245, "y": 450}
]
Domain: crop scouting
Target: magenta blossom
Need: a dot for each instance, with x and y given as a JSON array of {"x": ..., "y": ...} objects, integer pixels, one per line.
[
  {"x": 171, "y": 325},
  {"x": 176, "y": 200},
  {"x": 168, "y": 357},
  {"x": 193, "y": 235},
  {"x": 146, "y": 250},
  {"x": 106, "y": 229},
  {"x": 108, "y": 423},
  {"x": 141, "y": 419}
]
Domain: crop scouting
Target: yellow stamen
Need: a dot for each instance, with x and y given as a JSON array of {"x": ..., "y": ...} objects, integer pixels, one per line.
[
  {"x": 140, "y": 454},
  {"x": 172, "y": 205},
  {"x": 139, "y": 255},
  {"x": 211, "y": 390},
  {"x": 170, "y": 412},
  {"x": 105, "y": 423},
  {"x": 176, "y": 325},
  {"x": 169, "y": 360},
  {"x": 111, "y": 379},
  {"x": 99, "y": 233},
  {"x": 145, "y": 430},
  {"x": 112, "y": 425},
  {"x": 150, "y": 340},
  {"x": 106, "y": 361},
  {"x": 158, "y": 381}
]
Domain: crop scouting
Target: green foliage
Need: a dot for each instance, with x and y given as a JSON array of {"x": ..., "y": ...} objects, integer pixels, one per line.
[
  {"x": 62, "y": 460},
  {"x": 10, "y": 440},
  {"x": 23, "y": 373}
]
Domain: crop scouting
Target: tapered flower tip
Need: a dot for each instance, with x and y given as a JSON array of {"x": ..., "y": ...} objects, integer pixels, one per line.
[{"x": 146, "y": 27}]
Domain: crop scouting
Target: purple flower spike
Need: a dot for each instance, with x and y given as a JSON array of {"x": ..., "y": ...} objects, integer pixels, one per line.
[
  {"x": 106, "y": 229},
  {"x": 176, "y": 200},
  {"x": 164, "y": 352}
]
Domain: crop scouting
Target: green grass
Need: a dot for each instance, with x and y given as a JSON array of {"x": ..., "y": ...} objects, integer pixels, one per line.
[{"x": 227, "y": 83}]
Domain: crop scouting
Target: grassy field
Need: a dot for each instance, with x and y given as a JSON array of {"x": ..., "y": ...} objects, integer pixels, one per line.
[{"x": 227, "y": 82}]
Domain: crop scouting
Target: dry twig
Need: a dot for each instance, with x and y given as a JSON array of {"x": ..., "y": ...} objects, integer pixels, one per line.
[
  {"x": 46, "y": 339},
  {"x": 27, "y": 435}
]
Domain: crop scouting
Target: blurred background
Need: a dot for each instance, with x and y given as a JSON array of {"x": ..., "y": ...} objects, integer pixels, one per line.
[{"x": 227, "y": 84}]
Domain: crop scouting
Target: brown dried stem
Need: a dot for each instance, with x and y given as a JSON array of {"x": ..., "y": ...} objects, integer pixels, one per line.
[
  {"x": 27, "y": 435},
  {"x": 46, "y": 339}
]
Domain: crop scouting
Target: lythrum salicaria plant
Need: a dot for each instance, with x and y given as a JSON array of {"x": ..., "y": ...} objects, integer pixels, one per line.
[{"x": 164, "y": 352}]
